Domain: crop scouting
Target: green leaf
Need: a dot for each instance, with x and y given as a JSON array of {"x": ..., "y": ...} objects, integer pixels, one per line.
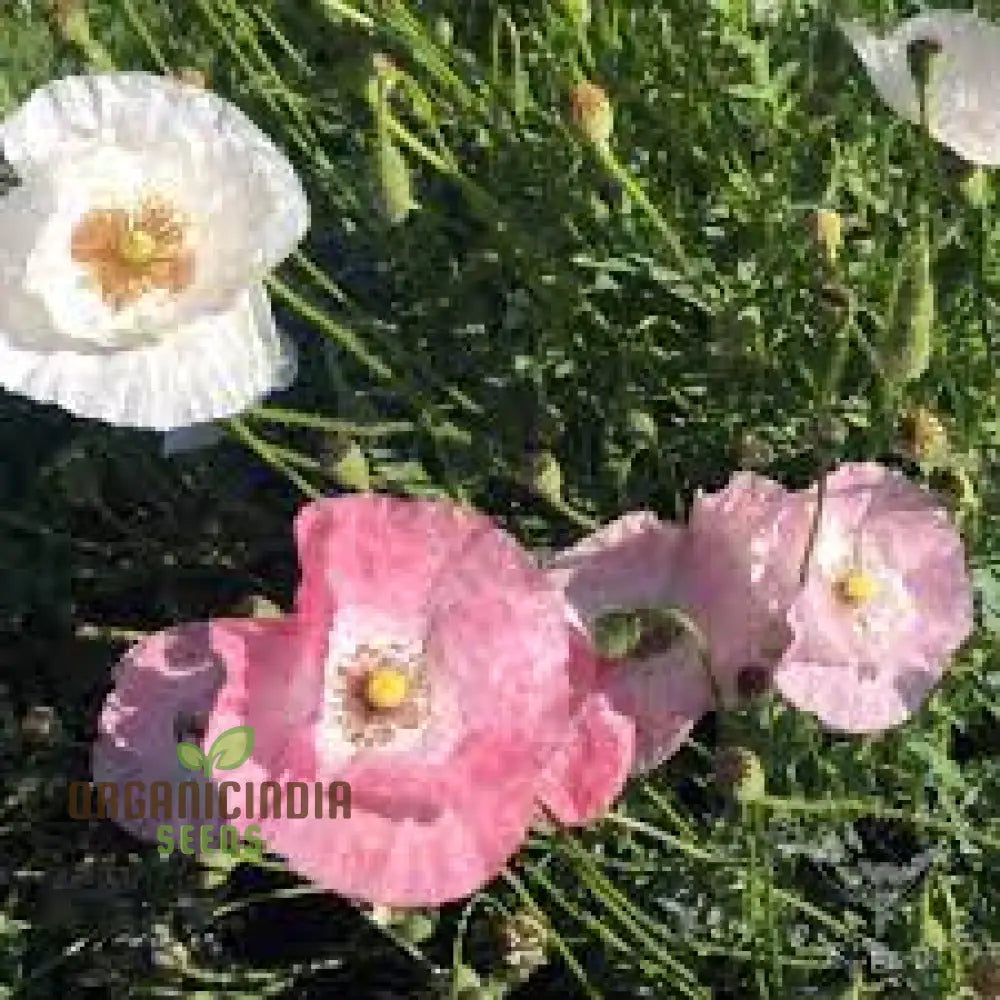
[
  {"x": 190, "y": 756},
  {"x": 232, "y": 748}
]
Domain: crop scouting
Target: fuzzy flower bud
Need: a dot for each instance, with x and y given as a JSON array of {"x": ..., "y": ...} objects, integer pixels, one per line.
[
  {"x": 545, "y": 476},
  {"x": 828, "y": 232},
  {"x": 525, "y": 943},
  {"x": 193, "y": 77},
  {"x": 576, "y": 11},
  {"x": 984, "y": 977},
  {"x": 347, "y": 465},
  {"x": 739, "y": 771},
  {"x": 924, "y": 438},
  {"x": 592, "y": 113}
]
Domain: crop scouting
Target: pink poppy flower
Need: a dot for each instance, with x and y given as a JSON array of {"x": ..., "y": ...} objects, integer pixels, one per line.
[
  {"x": 625, "y": 565},
  {"x": 733, "y": 570},
  {"x": 426, "y": 664},
  {"x": 886, "y": 603}
]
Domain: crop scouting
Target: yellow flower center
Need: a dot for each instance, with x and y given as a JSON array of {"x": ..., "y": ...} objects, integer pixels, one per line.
[
  {"x": 132, "y": 253},
  {"x": 856, "y": 588},
  {"x": 138, "y": 247},
  {"x": 386, "y": 688}
]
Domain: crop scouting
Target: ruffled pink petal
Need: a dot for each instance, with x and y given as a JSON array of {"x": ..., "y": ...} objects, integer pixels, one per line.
[
  {"x": 849, "y": 699},
  {"x": 379, "y": 552},
  {"x": 589, "y": 771},
  {"x": 665, "y": 696},
  {"x": 498, "y": 641},
  {"x": 418, "y": 833},
  {"x": 436, "y": 821},
  {"x": 628, "y": 563},
  {"x": 740, "y": 567}
]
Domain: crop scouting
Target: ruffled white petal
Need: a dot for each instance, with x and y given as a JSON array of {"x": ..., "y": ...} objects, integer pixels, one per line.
[
  {"x": 963, "y": 104},
  {"x": 214, "y": 367},
  {"x": 242, "y": 181}
]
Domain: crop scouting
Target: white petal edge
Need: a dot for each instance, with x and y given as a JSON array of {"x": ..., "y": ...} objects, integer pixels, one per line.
[
  {"x": 215, "y": 367},
  {"x": 965, "y": 115},
  {"x": 142, "y": 110}
]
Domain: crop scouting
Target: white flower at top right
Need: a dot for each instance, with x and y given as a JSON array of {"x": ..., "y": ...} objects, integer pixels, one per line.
[{"x": 963, "y": 96}]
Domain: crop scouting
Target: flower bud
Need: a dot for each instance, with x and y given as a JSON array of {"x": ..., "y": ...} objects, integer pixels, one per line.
[
  {"x": 525, "y": 942},
  {"x": 416, "y": 927},
  {"x": 977, "y": 188},
  {"x": 591, "y": 113},
  {"x": 616, "y": 634},
  {"x": 72, "y": 23},
  {"x": 578, "y": 12},
  {"x": 395, "y": 186},
  {"x": 754, "y": 451},
  {"x": 444, "y": 32},
  {"x": 828, "y": 232},
  {"x": 193, "y": 77},
  {"x": 347, "y": 465},
  {"x": 545, "y": 476},
  {"x": 381, "y": 78},
  {"x": 984, "y": 977},
  {"x": 71, "y": 20},
  {"x": 739, "y": 771},
  {"x": 257, "y": 606},
  {"x": 907, "y": 354},
  {"x": 643, "y": 426},
  {"x": 924, "y": 438},
  {"x": 39, "y": 724}
]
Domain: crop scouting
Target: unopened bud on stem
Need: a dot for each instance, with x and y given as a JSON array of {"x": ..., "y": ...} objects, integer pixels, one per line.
[{"x": 592, "y": 113}]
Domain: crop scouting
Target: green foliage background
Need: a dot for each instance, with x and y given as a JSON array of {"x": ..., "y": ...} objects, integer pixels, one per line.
[{"x": 651, "y": 321}]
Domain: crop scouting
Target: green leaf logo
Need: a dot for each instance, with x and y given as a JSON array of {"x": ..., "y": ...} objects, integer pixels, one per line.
[
  {"x": 190, "y": 756},
  {"x": 231, "y": 749}
]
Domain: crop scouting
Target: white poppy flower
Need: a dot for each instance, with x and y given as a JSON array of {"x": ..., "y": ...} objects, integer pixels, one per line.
[
  {"x": 963, "y": 96},
  {"x": 133, "y": 253}
]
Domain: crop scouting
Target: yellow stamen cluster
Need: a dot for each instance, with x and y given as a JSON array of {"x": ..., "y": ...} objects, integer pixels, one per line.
[
  {"x": 386, "y": 688},
  {"x": 856, "y": 588},
  {"x": 130, "y": 254}
]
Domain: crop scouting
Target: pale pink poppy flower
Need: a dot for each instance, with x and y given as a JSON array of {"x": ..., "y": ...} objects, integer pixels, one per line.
[
  {"x": 886, "y": 603},
  {"x": 629, "y": 564},
  {"x": 733, "y": 570},
  {"x": 426, "y": 664}
]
